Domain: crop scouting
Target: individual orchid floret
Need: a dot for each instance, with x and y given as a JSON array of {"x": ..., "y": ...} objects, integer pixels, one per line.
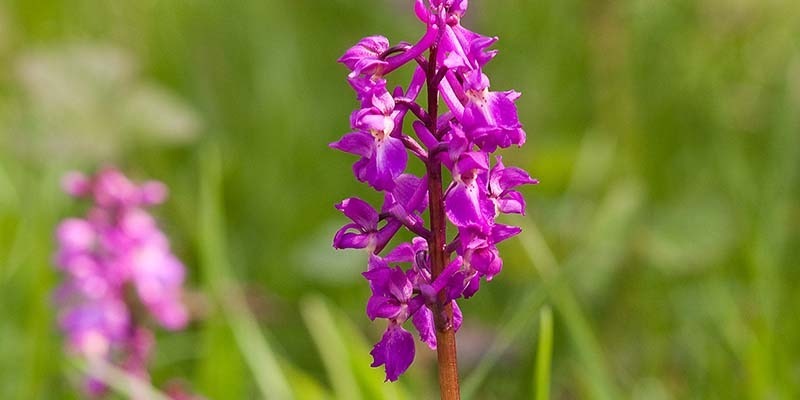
[
  {"x": 363, "y": 232},
  {"x": 365, "y": 57},
  {"x": 502, "y": 182},
  {"x": 377, "y": 117},
  {"x": 391, "y": 299},
  {"x": 366, "y": 87},
  {"x": 479, "y": 250},
  {"x": 392, "y": 292},
  {"x": 463, "y": 50},
  {"x": 383, "y": 157},
  {"x": 406, "y": 202},
  {"x": 415, "y": 253},
  {"x": 490, "y": 118},
  {"x": 467, "y": 201}
]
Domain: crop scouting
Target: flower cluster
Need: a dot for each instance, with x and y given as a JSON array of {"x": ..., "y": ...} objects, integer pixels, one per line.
[
  {"x": 476, "y": 123},
  {"x": 118, "y": 271}
]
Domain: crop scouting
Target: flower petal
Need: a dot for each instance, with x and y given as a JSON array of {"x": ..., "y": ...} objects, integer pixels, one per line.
[
  {"x": 358, "y": 143},
  {"x": 511, "y": 203},
  {"x": 350, "y": 240},
  {"x": 486, "y": 261},
  {"x": 389, "y": 162},
  {"x": 360, "y": 212},
  {"x": 458, "y": 317},
  {"x": 395, "y": 351},
  {"x": 364, "y": 56},
  {"x": 502, "y": 232},
  {"x": 505, "y": 178},
  {"x": 423, "y": 321},
  {"x": 472, "y": 286},
  {"x": 469, "y": 206},
  {"x": 75, "y": 234},
  {"x": 404, "y": 252},
  {"x": 382, "y": 307}
]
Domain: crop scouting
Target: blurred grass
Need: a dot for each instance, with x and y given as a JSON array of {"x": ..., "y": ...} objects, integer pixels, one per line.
[
  {"x": 127, "y": 385},
  {"x": 666, "y": 135},
  {"x": 544, "y": 355},
  {"x": 251, "y": 343}
]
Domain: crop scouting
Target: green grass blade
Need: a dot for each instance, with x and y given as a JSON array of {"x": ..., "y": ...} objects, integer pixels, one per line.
[
  {"x": 120, "y": 381},
  {"x": 371, "y": 380},
  {"x": 221, "y": 361},
  {"x": 332, "y": 348},
  {"x": 544, "y": 354},
  {"x": 600, "y": 383},
  {"x": 303, "y": 385}
]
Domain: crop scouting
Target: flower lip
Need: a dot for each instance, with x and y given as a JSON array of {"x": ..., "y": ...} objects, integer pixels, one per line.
[{"x": 395, "y": 351}]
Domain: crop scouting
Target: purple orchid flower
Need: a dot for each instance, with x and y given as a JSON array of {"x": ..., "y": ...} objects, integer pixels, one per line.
[
  {"x": 480, "y": 252},
  {"x": 365, "y": 223},
  {"x": 502, "y": 181},
  {"x": 422, "y": 279},
  {"x": 392, "y": 292},
  {"x": 364, "y": 57},
  {"x": 467, "y": 201},
  {"x": 383, "y": 157}
]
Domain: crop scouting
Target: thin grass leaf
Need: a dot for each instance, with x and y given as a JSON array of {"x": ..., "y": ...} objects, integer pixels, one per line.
[
  {"x": 19, "y": 248},
  {"x": 772, "y": 234},
  {"x": 544, "y": 354},
  {"x": 332, "y": 348},
  {"x": 119, "y": 380},
  {"x": 220, "y": 361},
  {"x": 39, "y": 280},
  {"x": 371, "y": 380},
  {"x": 600, "y": 383},
  {"x": 9, "y": 198},
  {"x": 304, "y": 386}
]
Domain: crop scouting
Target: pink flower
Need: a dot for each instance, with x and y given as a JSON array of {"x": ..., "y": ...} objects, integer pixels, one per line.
[{"x": 116, "y": 247}]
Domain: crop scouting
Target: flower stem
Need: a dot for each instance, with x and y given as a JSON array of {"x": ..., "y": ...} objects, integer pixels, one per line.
[{"x": 443, "y": 314}]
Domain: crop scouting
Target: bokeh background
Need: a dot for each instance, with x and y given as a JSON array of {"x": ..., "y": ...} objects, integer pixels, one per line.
[{"x": 664, "y": 235}]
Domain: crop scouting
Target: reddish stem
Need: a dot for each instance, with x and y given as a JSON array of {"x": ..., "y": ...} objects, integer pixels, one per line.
[{"x": 443, "y": 314}]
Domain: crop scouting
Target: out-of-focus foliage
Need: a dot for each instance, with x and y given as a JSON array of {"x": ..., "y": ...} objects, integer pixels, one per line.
[
  {"x": 84, "y": 102},
  {"x": 664, "y": 233}
]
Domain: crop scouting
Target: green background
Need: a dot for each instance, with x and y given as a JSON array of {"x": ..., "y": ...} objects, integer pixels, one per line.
[{"x": 664, "y": 235}]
